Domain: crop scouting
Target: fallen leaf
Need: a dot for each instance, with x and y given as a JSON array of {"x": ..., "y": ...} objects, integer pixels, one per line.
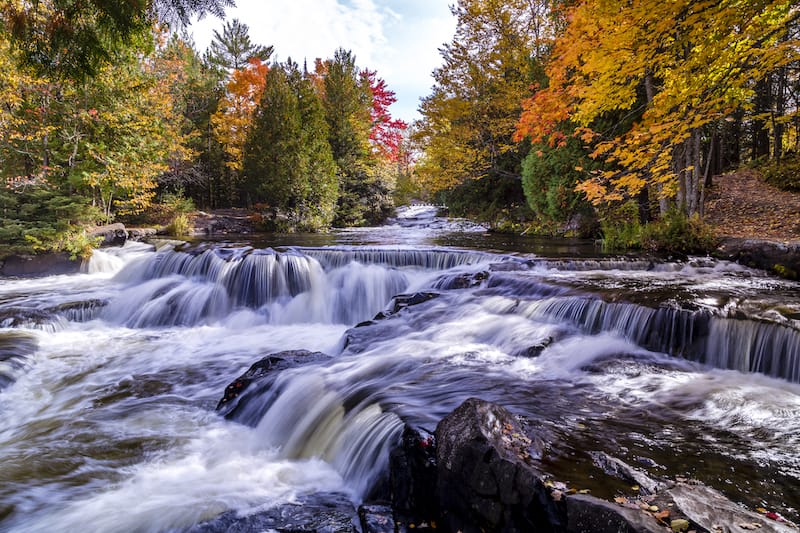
[
  {"x": 679, "y": 524},
  {"x": 749, "y": 525},
  {"x": 584, "y": 491},
  {"x": 635, "y": 488},
  {"x": 761, "y": 510},
  {"x": 620, "y": 500},
  {"x": 653, "y": 508}
]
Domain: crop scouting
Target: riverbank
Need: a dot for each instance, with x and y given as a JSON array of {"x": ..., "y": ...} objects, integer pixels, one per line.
[{"x": 758, "y": 225}]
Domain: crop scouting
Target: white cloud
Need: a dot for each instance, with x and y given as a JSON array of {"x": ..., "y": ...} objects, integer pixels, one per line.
[{"x": 397, "y": 38}]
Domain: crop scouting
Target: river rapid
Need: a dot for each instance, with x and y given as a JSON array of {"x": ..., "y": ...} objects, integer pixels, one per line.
[{"x": 109, "y": 379}]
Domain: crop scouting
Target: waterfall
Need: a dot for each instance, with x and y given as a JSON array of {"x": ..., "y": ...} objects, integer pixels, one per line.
[
  {"x": 750, "y": 346},
  {"x": 728, "y": 343},
  {"x": 433, "y": 259}
]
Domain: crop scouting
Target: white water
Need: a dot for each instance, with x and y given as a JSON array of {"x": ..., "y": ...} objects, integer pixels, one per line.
[{"x": 107, "y": 419}]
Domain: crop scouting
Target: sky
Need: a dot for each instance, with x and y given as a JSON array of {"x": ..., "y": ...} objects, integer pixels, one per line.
[{"x": 400, "y": 39}]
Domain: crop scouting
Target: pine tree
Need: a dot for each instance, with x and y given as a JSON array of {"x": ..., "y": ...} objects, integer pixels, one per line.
[{"x": 232, "y": 49}]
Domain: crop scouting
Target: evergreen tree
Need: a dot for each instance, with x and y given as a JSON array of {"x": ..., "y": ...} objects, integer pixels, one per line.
[
  {"x": 232, "y": 49},
  {"x": 287, "y": 160},
  {"x": 364, "y": 186}
]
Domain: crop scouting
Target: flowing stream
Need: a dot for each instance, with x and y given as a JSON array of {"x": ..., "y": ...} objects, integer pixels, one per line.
[{"x": 109, "y": 379}]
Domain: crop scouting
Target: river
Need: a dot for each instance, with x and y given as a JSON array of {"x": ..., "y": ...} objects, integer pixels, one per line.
[{"x": 109, "y": 379}]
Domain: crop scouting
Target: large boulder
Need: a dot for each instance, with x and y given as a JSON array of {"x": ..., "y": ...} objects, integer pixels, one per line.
[
  {"x": 488, "y": 473},
  {"x": 111, "y": 234},
  {"x": 780, "y": 258},
  {"x": 237, "y": 401},
  {"x": 412, "y": 478},
  {"x": 31, "y": 266}
]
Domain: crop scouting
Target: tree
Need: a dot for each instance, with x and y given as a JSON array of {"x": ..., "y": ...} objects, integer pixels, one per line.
[
  {"x": 386, "y": 133},
  {"x": 470, "y": 117},
  {"x": 288, "y": 164},
  {"x": 364, "y": 184},
  {"x": 233, "y": 119},
  {"x": 233, "y": 50},
  {"x": 74, "y": 39},
  {"x": 688, "y": 65}
]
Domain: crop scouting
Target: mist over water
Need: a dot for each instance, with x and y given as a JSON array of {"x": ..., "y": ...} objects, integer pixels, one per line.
[{"x": 109, "y": 379}]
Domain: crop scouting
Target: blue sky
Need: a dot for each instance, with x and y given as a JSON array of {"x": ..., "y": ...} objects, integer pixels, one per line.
[{"x": 400, "y": 39}]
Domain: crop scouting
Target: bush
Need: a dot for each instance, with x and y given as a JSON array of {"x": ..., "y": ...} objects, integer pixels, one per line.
[
  {"x": 677, "y": 233},
  {"x": 620, "y": 227},
  {"x": 784, "y": 174},
  {"x": 549, "y": 177},
  {"x": 180, "y": 226}
]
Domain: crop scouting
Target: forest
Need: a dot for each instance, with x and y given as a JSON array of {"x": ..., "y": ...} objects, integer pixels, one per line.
[{"x": 554, "y": 117}]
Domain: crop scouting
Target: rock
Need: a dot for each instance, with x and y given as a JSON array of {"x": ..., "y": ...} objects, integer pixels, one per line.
[
  {"x": 587, "y": 514},
  {"x": 111, "y": 234},
  {"x": 633, "y": 476},
  {"x": 256, "y": 382},
  {"x": 31, "y": 266},
  {"x": 376, "y": 519},
  {"x": 141, "y": 234},
  {"x": 707, "y": 508},
  {"x": 462, "y": 281},
  {"x": 401, "y": 301},
  {"x": 320, "y": 513},
  {"x": 412, "y": 477},
  {"x": 781, "y": 258},
  {"x": 488, "y": 475}
]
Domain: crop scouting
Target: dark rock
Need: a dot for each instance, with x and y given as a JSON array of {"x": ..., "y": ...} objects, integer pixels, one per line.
[
  {"x": 376, "y": 519},
  {"x": 462, "y": 281},
  {"x": 401, "y": 301},
  {"x": 140, "y": 234},
  {"x": 587, "y": 514},
  {"x": 21, "y": 317},
  {"x": 630, "y": 475},
  {"x": 320, "y": 513},
  {"x": 706, "y": 508},
  {"x": 111, "y": 234},
  {"x": 31, "y": 266},
  {"x": 82, "y": 311},
  {"x": 256, "y": 382},
  {"x": 536, "y": 349},
  {"x": 488, "y": 478},
  {"x": 412, "y": 467},
  {"x": 780, "y": 258}
]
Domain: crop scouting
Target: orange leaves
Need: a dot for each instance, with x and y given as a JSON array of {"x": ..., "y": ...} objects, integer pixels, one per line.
[{"x": 234, "y": 116}]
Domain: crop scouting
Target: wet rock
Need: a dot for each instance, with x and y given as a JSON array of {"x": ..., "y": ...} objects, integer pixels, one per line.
[
  {"x": 320, "y": 513},
  {"x": 33, "y": 266},
  {"x": 535, "y": 350},
  {"x": 462, "y": 281},
  {"x": 401, "y": 301},
  {"x": 488, "y": 478},
  {"x": 376, "y": 519},
  {"x": 587, "y": 514},
  {"x": 627, "y": 473},
  {"x": 22, "y": 317},
  {"x": 110, "y": 235},
  {"x": 82, "y": 311},
  {"x": 256, "y": 382},
  {"x": 413, "y": 476},
  {"x": 710, "y": 510}
]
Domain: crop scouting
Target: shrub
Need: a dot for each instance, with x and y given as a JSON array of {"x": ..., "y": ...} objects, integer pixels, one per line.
[
  {"x": 620, "y": 227},
  {"x": 180, "y": 225},
  {"x": 784, "y": 174},
  {"x": 677, "y": 233}
]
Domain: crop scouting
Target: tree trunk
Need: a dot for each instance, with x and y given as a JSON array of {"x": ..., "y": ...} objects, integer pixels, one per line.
[{"x": 760, "y": 133}]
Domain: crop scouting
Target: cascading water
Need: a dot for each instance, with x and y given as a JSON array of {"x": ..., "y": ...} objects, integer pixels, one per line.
[{"x": 108, "y": 379}]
